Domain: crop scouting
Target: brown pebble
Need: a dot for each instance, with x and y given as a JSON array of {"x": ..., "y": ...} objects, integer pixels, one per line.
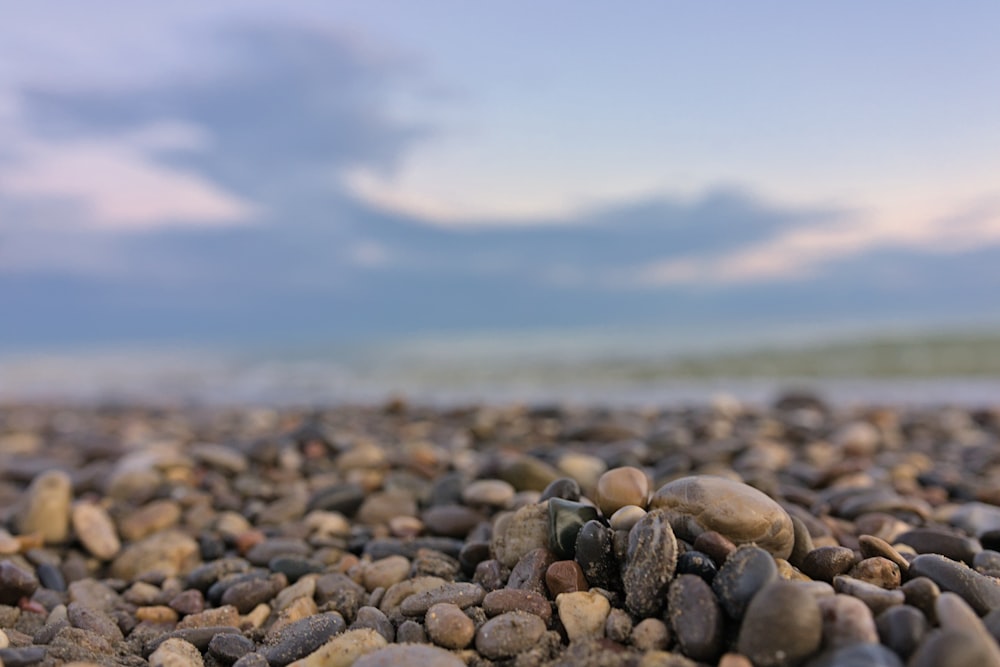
[
  {"x": 872, "y": 547},
  {"x": 156, "y": 614},
  {"x": 620, "y": 487},
  {"x": 448, "y": 626},
  {"x": 716, "y": 545},
  {"x": 565, "y": 576},
  {"x": 879, "y": 571},
  {"x": 510, "y": 599}
]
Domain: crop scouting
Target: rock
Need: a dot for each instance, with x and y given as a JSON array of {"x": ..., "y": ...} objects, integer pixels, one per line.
[
  {"x": 95, "y": 621},
  {"x": 566, "y": 518},
  {"x": 698, "y": 563},
  {"x": 149, "y": 519},
  {"x": 302, "y": 638},
  {"x": 878, "y": 571},
  {"x": 168, "y": 553},
  {"x": 176, "y": 653},
  {"x": 626, "y": 517},
  {"x": 399, "y": 655},
  {"x": 583, "y": 614},
  {"x": 786, "y": 606},
  {"x": 859, "y": 655},
  {"x": 981, "y": 592},
  {"x": 47, "y": 507},
  {"x": 385, "y": 572},
  {"x": 488, "y": 493},
  {"x": 565, "y": 576},
  {"x": 509, "y": 634},
  {"x": 15, "y": 583},
  {"x": 739, "y": 512},
  {"x": 619, "y": 487},
  {"x": 525, "y": 530},
  {"x": 876, "y": 547},
  {"x": 877, "y": 599},
  {"x": 344, "y": 649},
  {"x": 976, "y": 518},
  {"x": 902, "y": 628},
  {"x": 448, "y": 627},
  {"x": 595, "y": 555},
  {"x": 745, "y": 572},
  {"x": 928, "y": 541},
  {"x": 529, "y": 573},
  {"x": 650, "y": 634},
  {"x": 566, "y": 488},
  {"x": 528, "y": 474},
  {"x": 229, "y": 647},
  {"x": 825, "y": 563},
  {"x": 95, "y": 530},
  {"x": 695, "y": 617},
  {"x": 510, "y": 599},
  {"x": 846, "y": 621},
  {"x": 246, "y": 595},
  {"x": 459, "y": 594},
  {"x": 372, "y": 618},
  {"x": 451, "y": 520},
  {"x": 650, "y": 564}
]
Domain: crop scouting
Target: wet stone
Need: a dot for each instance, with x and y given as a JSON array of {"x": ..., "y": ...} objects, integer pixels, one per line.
[
  {"x": 738, "y": 511},
  {"x": 594, "y": 555},
  {"x": 745, "y": 572},
  {"x": 509, "y": 634},
  {"x": 697, "y": 563},
  {"x": 981, "y": 592},
  {"x": 902, "y": 628},
  {"x": 565, "y": 576},
  {"x": 695, "y": 617},
  {"x": 566, "y": 518},
  {"x": 650, "y": 564},
  {"x": 780, "y": 605}
]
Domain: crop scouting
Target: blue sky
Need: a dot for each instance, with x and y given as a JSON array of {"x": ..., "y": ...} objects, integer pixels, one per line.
[{"x": 258, "y": 170}]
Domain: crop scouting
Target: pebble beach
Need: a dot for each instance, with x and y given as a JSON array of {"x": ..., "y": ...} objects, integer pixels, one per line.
[{"x": 396, "y": 535}]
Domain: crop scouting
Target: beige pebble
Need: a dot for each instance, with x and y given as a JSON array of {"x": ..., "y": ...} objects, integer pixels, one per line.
[
  {"x": 4, "y": 640},
  {"x": 384, "y": 572},
  {"x": 448, "y": 626},
  {"x": 47, "y": 507},
  {"x": 516, "y": 534},
  {"x": 327, "y": 524},
  {"x": 620, "y": 487},
  {"x": 583, "y": 613},
  {"x": 380, "y": 507},
  {"x": 169, "y": 552},
  {"x": 156, "y": 614},
  {"x": 95, "y": 530},
  {"x": 257, "y": 616},
  {"x": 344, "y": 649},
  {"x": 651, "y": 634},
  {"x": 176, "y": 653},
  {"x": 149, "y": 519},
  {"x": 626, "y": 517},
  {"x": 584, "y": 468},
  {"x": 491, "y": 492}
]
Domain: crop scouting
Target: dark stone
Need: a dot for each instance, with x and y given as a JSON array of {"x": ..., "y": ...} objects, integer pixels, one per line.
[
  {"x": 697, "y": 563},
  {"x": 949, "y": 545},
  {"x": 650, "y": 564},
  {"x": 203, "y": 576},
  {"x": 510, "y": 599},
  {"x": 825, "y": 563},
  {"x": 451, "y": 520},
  {"x": 490, "y": 575},
  {"x": 15, "y": 583},
  {"x": 294, "y": 567},
  {"x": 211, "y": 546},
  {"x": 922, "y": 593},
  {"x": 529, "y": 573},
  {"x": 248, "y": 594},
  {"x": 566, "y": 488},
  {"x": 263, "y": 553},
  {"x": 566, "y": 518},
  {"x": 902, "y": 628},
  {"x": 51, "y": 577},
  {"x": 472, "y": 554},
  {"x": 781, "y": 626},
  {"x": 716, "y": 545},
  {"x": 746, "y": 571},
  {"x": 22, "y": 657},
  {"x": 200, "y": 637},
  {"x": 373, "y": 618},
  {"x": 981, "y": 592},
  {"x": 457, "y": 593},
  {"x": 411, "y": 632},
  {"x": 229, "y": 647},
  {"x": 859, "y": 655},
  {"x": 954, "y": 649},
  {"x": 695, "y": 617},
  {"x": 340, "y": 592},
  {"x": 343, "y": 498},
  {"x": 302, "y": 638},
  {"x": 251, "y": 660},
  {"x": 594, "y": 555}
]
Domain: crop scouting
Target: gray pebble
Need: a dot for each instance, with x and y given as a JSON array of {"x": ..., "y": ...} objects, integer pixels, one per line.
[
  {"x": 981, "y": 592},
  {"x": 460, "y": 594},
  {"x": 949, "y": 545},
  {"x": 509, "y": 634},
  {"x": 95, "y": 621},
  {"x": 902, "y": 628},
  {"x": 229, "y": 647},
  {"x": 746, "y": 571},
  {"x": 846, "y": 620},
  {"x": 302, "y": 638},
  {"x": 858, "y": 655},
  {"x": 411, "y": 632},
  {"x": 783, "y": 605},
  {"x": 695, "y": 617},
  {"x": 877, "y": 599},
  {"x": 372, "y": 617}
]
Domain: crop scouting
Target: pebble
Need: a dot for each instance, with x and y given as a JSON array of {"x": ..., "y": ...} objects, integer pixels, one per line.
[
  {"x": 404, "y": 656},
  {"x": 620, "y": 487},
  {"x": 594, "y": 555},
  {"x": 523, "y": 531},
  {"x": 739, "y": 512},
  {"x": 489, "y": 493},
  {"x": 344, "y": 650},
  {"x": 459, "y": 594},
  {"x": 509, "y": 634},
  {"x": 167, "y": 553},
  {"x": 786, "y": 606},
  {"x": 566, "y": 488},
  {"x": 448, "y": 627},
  {"x": 928, "y": 541},
  {"x": 824, "y": 563},
  {"x": 859, "y": 655},
  {"x": 529, "y": 573},
  {"x": 47, "y": 507},
  {"x": 149, "y": 519},
  {"x": 698, "y": 563},
  {"x": 510, "y": 599},
  {"x": 626, "y": 517},
  {"x": 95, "y": 530},
  {"x": 385, "y": 572},
  {"x": 877, "y": 599},
  {"x": 650, "y": 563},
  {"x": 744, "y": 573},
  {"x": 302, "y": 638},
  {"x": 15, "y": 583},
  {"x": 565, "y": 576},
  {"x": 583, "y": 614},
  {"x": 229, "y": 647},
  {"x": 879, "y": 571},
  {"x": 846, "y": 621},
  {"x": 980, "y": 591},
  {"x": 450, "y": 520},
  {"x": 902, "y": 628},
  {"x": 650, "y": 634},
  {"x": 374, "y": 619},
  {"x": 566, "y": 518},
  {"x": 176, "y": 653},
  {"x": 695, "y": 617}
]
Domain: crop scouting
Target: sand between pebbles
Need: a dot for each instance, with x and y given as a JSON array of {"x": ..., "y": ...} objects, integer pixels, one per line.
[{"x": 398, "y": 535}]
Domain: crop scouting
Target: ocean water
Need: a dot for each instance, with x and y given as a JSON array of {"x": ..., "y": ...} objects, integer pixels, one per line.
[{"x": 582, "y": 367}]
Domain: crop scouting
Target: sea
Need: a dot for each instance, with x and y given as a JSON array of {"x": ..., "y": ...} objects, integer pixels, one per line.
[{"x": 646, "y": 368}]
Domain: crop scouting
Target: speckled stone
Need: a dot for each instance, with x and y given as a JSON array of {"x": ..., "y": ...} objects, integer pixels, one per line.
[
  {"x": 786, "y": 606},
  {"x": 695, "y": 617},
  {"x": 650, "y": 634},
  {"x": 344, "y": 649},
  {"x": 302, "y": 638},
  {"x": 509, "y": 634},
  {"x": 448, "y": 627},
  {"x": 745, "y": 572},
  {"x": 176, "y": 653},
  {"x": 879, "y": 571},
  {"x": 650, "y": 564},
  {"x": 399, "y": 655},
  {"x": 517, "y": 534},
  {"x": 980, "y": 591},
  {"x": 740, "y": 512},
  {"x": 583, "y": 613},
  {"x": 594, "y": 555}
]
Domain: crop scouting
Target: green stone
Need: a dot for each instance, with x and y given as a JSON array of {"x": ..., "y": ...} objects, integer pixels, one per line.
[{"x": 566, "y": 518}]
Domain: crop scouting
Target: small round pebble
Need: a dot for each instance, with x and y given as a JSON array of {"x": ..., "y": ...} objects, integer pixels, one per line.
[
  {"x": 449, "y": 627},
  {"x": 509, "y": 634},
  {"x": 620, "y": 487},
  {"x": 786, "y": 606}
]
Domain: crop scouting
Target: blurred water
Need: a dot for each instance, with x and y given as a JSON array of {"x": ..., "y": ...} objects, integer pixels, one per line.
[{"x": 607, "y": 368}]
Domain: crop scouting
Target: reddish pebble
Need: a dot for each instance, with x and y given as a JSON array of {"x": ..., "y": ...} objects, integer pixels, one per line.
[{"x": 565, "y": 576}]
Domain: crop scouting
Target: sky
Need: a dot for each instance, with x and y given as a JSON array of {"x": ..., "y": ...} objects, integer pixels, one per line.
[{"x": 259, "y": 171}]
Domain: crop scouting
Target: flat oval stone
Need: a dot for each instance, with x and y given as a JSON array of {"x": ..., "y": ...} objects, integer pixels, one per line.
[
  {"x": 981, "y": 592},
  {"x": 745, "y": 572},
  {"x": 858, "y": 655},
  {"x": 511, "y": 599},
  {"x": 738, "y": 511},
  {"x": 566, "y": 518},
  {"x": 229, "y": 647},
  {"x": 877, "y": 599},
  {"x": 785, "y": 606},
  {"x": 949, "y": 545},
  {"x": 448, "y": 626},
  {"x": 302, "y": 638},
  {"x": 902, "y": 628},
  {"x": 509, "y": 634},
  {"x": 695, "y": 618},
  {"x": 650, "y": 564},
  {"x": 95, "y": 530},
  {"x": 825, "y": 563},
  {"x": 457, "y": 593},
  {"x": 594, "y": 554}
]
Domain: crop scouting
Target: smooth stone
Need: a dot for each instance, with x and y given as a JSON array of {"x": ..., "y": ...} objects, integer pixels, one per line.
[
  {"x": 716, "y": 545},
  {"x": 528, "y": 474},
  {"x": 695, "y": 617},
  {"x": 626, "y": 517},
  {"x": 525, "y": 530},
  {"x": 226, "y": 459},
  {"x": 927, "y": 541},
  {"x": 509, "y": 634},
  {"x": 95, "y": 621},
  {"x": 341, "y": 498},
  {"x": 583, "y": 613},
  {"x": 229, "y": 647},
  {"x": 981, "y": 592},
  {"x": 650, "y": 563},
  {"x": 372, "y": 618},
  {"x": 511, "y": 599},
  {"x": 472, "y": 554},
  {"x": 594, "y": 555},
  {"x": 344, "y": 650},
  {"x": 451, "y": 520},
  {"x": 565, "y": 576},
  {"x": 953, "y": 648},
  {"x": 619, "y": 487},
  {"x": 584, "y": 469},
  {"x": 168, "y": 553},
  {"x": 745, "y": 572},
  {"x": 846, "y": 620},
  {"x": 22, "y": 656},
  {"x": 459, "y": 594},
  {"x": 976, "y": 518},
  {"x": 803, "y": 542},
  {"x": 879, "y": 571},
  {"x": 902, "y": 628},
  {"x": 922, "y": 593},
  {"x": 448, "y": 626},
  {"x": 246, "y": 595},
  {"x": 15, "y": 583},
  {"x": 51, "y": 577},
  {"x": 380, "y": 507},
  {"x": 874, "y": 547},
  {"x": 877, "y": 599},
  {"x": 251, "y": 660},
  {"x": 566, "y": 518},
  {"x": 396, "y": 594},
  {"x": 489, "y": 493},
  {"x": 95, "y": 530},
  {"x": 738, "y": 511},
  {"x": 566, "y": 488},
  {"x": 46, "y": 508},
  {"x": 858, "y": 655},
  {"x": 409, "y": 655},
  {"x": 825, "y": 563},
  {"x": 264, "y": 552},
  {"x": 199, "y": 637},
  {"x": 176, "y": 653},
  {"x": 529, "y": 573},
  {"x": 697, "y": 563},
  {"x": 302, "y": 638},
  {"x": 490, "y": 574},
  {"x": 650, "y": 634},
  {"x": 786, "y": 606},
  {"x": 385, "y": 572},
  {"x": 956, "y": 615},
  {"x": 149, "y": 519}
]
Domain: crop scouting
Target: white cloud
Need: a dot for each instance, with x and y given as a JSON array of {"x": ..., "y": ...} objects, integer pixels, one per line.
[{"x": 803, "y": 251}]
